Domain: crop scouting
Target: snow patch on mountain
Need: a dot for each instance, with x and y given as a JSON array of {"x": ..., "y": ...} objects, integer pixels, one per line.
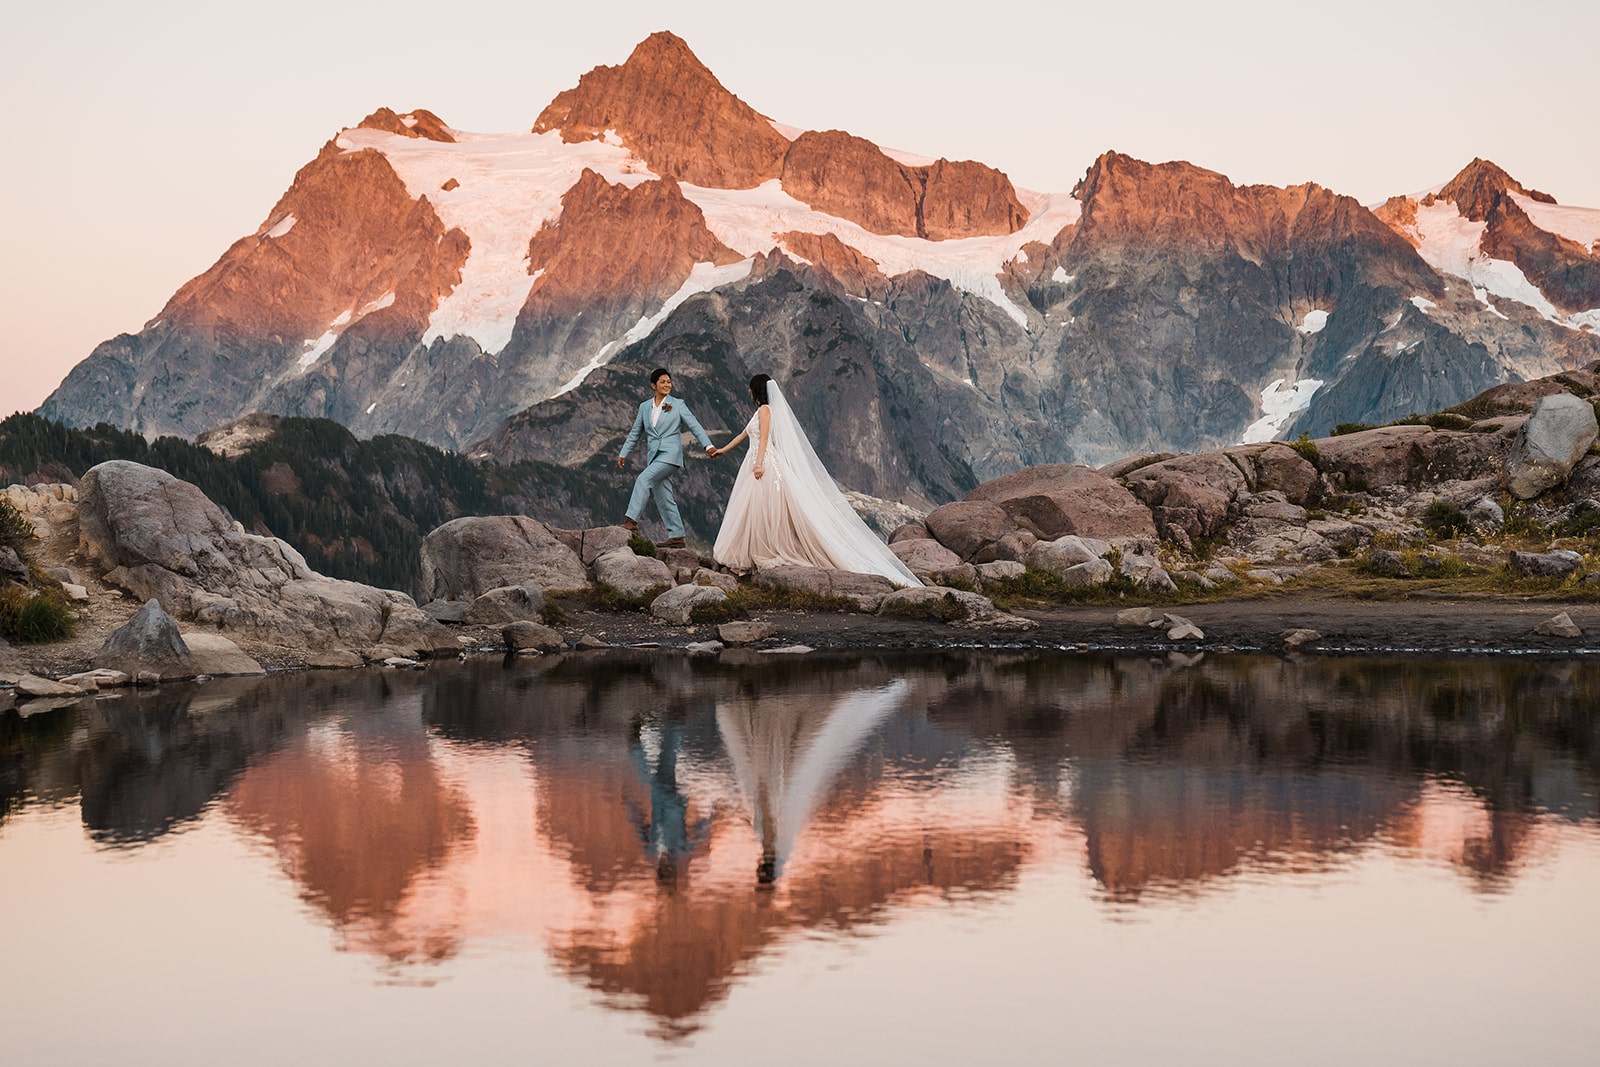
[
  {"x": 703, "y": 277},
  {"x": 510, "y": 185},
  {"x": 1449, "y": 242},
  {"x": 1313, "y": 322},
  {"x": 318, "y": 348},
  {"x": 1279, "y": 405},
  {"x": 1580, "y": 224},
  {"x": 749, "y": 220},
  {"x": 283, "y": 226}
]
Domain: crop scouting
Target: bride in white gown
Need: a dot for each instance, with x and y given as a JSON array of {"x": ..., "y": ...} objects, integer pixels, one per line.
[{"x": 785, "y": 509}]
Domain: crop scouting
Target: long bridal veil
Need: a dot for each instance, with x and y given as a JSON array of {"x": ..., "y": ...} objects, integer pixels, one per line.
[{"x": 853, "y": 546}]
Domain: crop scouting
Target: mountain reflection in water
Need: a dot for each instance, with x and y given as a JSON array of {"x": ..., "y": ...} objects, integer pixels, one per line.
[{"x": 656, "y": 824}]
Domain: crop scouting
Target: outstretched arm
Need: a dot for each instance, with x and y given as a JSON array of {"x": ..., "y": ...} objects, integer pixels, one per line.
[
  {"x": 695, "y": 428},
  {"x": 633, "y": 437}
]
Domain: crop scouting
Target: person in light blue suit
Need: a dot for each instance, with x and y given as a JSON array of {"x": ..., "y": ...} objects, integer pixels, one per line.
[{"x": 662, "y": 420}]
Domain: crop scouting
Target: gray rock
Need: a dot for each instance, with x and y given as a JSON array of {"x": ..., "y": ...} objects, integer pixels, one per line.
[
  {"x": 1557, "y": 564},
  {"x": 75, "y": 592},
  {"x": 601, "y": 540},
  {"x": 716, "y": 579},
  {"x": 1293, "y": 639},
  {"x": 957, "y": 604},
  {"x": 65, "y": 575},
  {"x": 466, "y": 558},
  {"x": 98, "y": 679},
  {"x": 1487, "y": 514},
  {"x": 1549, "y": 445},
  {"x": 1558, "y": 626},
  {"x": 1218, "y": 573},
  {"x": 447, "y": 610},
  {"x": 215, "y": 655},
  {"x": 403, "y": 662},
  {"x": 522, "y": 636},
  {"x": 162, "y": 539},
  {"x": 1137, "y": 618},
  {"x": 703, "y": 647},
  {"x": 147, "y": 641},
  {"x": 1192, "y": 493},
  {"x": 1094, "y": 572},
  {"x": 788, "y": 650},
  {"x": 1260, "y": 574},
  {"x": 632, "y": 576},
  {"x": 511, "y": 603},
  {"x": 1146, "y": 572},
  {"x": 1388, "y": 564},
  {"x": 676, "y": 605},
  {"x": 31, "y": 685},
  {"x": 1056, "y": 557},
  {"x": 11, "y": 564},
  {"x": 1181, "y": 629},
  {"x": 745, "y": 633},
  {"x": 589, "y": 643},
  {"x": 1000, "y": 570}
]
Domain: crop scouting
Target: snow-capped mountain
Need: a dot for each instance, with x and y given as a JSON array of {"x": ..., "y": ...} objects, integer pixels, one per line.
[{"x": 937, "y": 325}]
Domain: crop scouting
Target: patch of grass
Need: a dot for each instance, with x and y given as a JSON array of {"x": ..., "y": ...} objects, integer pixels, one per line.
[
  {"x": 1354, "y": 483},
  {"x": 1521, "y": 523},
  {"x": 1307, "y": 449},
  {"x": 641, "y": 545},
  {"x": 1350, "y": 427},
  {"x": 1043, "y": 589},
  {"x": 553, "y": 614},
  {"x": 1444, "y": 521},
  {"x": 1206, "y": 545},
  {"x": 1439, "y": 420},
  {"x": 1484, "y": 427},
  {"x": 35, "y": 618},
  {"x": 1479, "y": 408},
  {"x": 15, "y": 529}
]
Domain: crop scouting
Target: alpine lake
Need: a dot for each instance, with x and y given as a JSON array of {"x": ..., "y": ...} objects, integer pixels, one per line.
[{"x": 957, "y": 857}]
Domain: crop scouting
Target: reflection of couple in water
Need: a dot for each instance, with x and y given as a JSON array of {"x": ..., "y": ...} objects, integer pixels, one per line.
[{"x": 785, "y": 751}]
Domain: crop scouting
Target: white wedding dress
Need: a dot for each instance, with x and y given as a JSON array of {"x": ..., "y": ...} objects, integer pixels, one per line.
[{"x": 794, "y": 515}]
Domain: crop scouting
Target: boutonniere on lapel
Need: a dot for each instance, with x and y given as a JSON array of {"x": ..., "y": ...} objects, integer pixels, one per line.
[{"x": 666, "y": 407}]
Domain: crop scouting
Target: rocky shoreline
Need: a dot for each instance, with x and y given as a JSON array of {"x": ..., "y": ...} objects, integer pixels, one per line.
[{"x": 1471, "y": 531}]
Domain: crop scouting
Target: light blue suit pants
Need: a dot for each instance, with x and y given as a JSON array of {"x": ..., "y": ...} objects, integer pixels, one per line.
[{"x": 655, "y": 482}]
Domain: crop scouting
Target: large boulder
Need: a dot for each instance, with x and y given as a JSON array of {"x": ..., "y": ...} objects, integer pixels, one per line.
[
  {"x": 1549, "y": 445},
  {"x": 1190, "y": 493},
  {"x": 1055, "y": 499},
  {"x": 465, "y": 558},
  {"x": 150, "y": 641},
  {"x": 159, "y": 537},
  {"x": 924, "y": 557},
  {"x": 1058, "y": 556},
  {"x": 949, "y": 605},
  {"x": 967, "y": 527},
  {"x": 1274, "y": 465},
  {"x": 511, "y": 603},
  {"x": 632, "y": 576}
]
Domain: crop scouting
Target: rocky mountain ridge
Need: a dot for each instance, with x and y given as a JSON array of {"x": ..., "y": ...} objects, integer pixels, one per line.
[{"x": 463, "y": 288}]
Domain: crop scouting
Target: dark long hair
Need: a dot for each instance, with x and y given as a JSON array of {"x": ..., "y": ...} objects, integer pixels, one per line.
[{"x": 758, "y": 388}]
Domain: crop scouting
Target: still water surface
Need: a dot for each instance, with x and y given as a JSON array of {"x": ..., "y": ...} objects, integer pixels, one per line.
[{"x": 643, "y": 857}]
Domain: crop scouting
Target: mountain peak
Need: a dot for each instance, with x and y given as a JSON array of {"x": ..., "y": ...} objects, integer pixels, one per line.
[
  {"x": 419, "y": 123},
  {"x": 1480, "y": 184},
  {"x": 670, "y": 110}
]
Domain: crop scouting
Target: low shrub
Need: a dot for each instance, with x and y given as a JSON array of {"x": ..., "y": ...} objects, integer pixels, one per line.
[
  {"x": 1350, "y": 427},
  {"x": 1307, "y": 449},
  {"x": 34, "y": 618},
  {"x": 1444, "y": 521},
  {"x": 15, "y": 529},
  {"x": 642, "y": 546}
]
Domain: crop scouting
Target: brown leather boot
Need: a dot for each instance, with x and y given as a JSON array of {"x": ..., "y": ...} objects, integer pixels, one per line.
[
  {"x": 671, "y": 542},
  {"x": 630, "y": 525}
]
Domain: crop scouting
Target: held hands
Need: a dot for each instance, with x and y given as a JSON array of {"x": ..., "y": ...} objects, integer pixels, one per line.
[
  {"x": 758, "y": 470},
  {"x": 622, "y": 461}
]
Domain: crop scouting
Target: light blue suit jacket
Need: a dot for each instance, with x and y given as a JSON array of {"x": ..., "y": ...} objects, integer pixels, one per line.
[{"x": 664, "y": 440}]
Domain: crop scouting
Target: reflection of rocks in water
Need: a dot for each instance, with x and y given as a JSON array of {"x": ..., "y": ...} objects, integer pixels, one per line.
[
  {"x": 357, "y": 816},
  {"x": 615, "y": 808}
]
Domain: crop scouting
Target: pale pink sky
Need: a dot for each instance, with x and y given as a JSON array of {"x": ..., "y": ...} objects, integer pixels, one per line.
[{"x": 144, "y": 138}]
